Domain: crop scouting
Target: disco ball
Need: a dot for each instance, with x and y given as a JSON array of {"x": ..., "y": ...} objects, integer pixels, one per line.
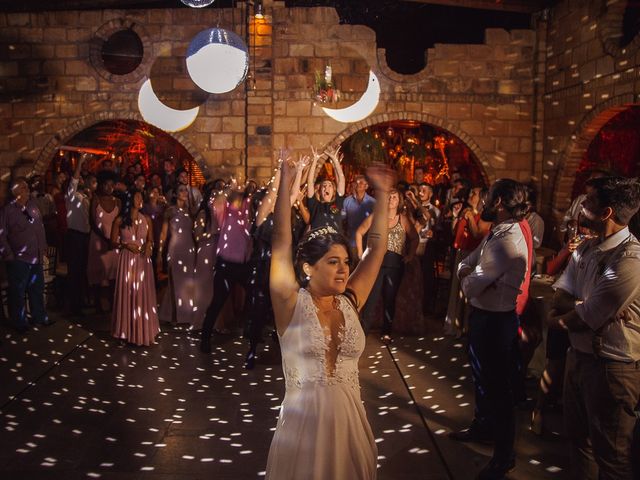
[
  {"x": 197, "y": 3},
  {"x": 217, "y": 60}
]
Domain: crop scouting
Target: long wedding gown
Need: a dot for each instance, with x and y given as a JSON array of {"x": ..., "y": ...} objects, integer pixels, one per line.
[{"x": 322, "y": 432}]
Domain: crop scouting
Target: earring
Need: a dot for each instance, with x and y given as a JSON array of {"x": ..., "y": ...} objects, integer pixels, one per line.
[{"x": 307, "y": 278}]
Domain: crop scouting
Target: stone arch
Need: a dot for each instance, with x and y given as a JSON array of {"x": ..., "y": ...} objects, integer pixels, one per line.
[
  {"x": 488, "y": 174},
  {"x": 87, "y": 121},
  {"x": 579, "y": 142}
]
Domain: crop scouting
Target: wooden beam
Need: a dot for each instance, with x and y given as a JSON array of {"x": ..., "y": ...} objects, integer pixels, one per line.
[{"x": 520, "y": 6}]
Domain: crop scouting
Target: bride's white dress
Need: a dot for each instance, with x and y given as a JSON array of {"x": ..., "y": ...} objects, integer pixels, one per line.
[{"x": 322, "y": 431}]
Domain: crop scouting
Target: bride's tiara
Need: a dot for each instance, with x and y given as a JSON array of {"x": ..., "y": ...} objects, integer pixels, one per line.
[{"x": 318, "y": 232}]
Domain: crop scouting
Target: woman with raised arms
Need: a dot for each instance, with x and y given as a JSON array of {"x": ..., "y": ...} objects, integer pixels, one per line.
[{"x": 322, "y": 431}]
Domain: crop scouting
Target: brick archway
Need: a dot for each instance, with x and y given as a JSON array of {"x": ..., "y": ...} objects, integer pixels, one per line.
[
  {"x": 486, "y": 169},
  {"x": 585, "y": 132},
  {"x": 47, "y": 152}
]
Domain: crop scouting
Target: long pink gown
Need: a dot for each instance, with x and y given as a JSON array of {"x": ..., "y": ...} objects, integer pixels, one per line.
[
  {"x": 102, "y": 262},
  {"x": 179, "y": 304},
  {"x": 135, "y": 315}
]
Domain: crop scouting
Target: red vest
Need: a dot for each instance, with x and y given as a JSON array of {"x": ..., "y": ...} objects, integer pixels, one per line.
[{"x": 523, "y": 297}]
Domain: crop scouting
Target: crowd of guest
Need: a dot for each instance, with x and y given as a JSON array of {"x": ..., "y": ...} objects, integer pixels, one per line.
[{"x": 151, "y": 247}]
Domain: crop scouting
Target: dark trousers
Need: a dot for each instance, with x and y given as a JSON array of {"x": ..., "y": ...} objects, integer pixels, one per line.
[
  {"x": 258, "y": 305},
  {"x": 26, "y": 279},
  {"x": 387, "y": 283},
  {"x": 77, "y": 246},
  {"x": 600, "y": 400},
  {"x": 226, "y": 275},
  {"x": 493, "y": 351}
]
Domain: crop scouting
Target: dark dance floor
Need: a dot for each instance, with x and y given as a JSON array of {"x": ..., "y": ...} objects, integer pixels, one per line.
[{"x": 76, "y": 404}]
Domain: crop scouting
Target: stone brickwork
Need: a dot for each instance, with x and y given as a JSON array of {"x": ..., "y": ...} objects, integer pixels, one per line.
[
  {"x": 590, "y": 77},
  {"x": 50, "y": 89}
]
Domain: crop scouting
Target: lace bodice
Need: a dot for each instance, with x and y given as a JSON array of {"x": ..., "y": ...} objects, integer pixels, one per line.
[{"x": 305, "y": 344}]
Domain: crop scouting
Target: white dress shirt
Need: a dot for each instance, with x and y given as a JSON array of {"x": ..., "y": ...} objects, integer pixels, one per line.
[
  {"x": 604, "y": 277},
  {"x": 77, "y": 204},
  {"x": 499, "y": 265}
]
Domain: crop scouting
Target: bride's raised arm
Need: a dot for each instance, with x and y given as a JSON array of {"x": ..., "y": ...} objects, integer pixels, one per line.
[
  {"x": 282, "y": 281},
  {"x": 361, "y": 281}
]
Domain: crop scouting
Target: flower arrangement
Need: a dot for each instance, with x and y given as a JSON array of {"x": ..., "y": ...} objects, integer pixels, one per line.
[{"x": 323, "y": 89}]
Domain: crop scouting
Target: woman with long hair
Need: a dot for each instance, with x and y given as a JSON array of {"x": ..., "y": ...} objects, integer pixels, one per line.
[
  {"x": 135, "y": 316},
  {"x": 401, "y": 249},
  {"x": 206, "y": 231},
  {"x": 102, "y": 261},
  {"x": 322, "y": 431},
  {"x": 179, "y": 303}
]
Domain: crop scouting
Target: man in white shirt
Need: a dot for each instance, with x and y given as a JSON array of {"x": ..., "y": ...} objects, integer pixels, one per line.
[
  {"x": 491, "y": 278},
  {"x": 76, "y": 241},
  {"x": 598, "y": 301}
]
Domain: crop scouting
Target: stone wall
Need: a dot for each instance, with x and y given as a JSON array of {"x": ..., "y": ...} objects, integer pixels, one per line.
[
  {"x": 51, "y": 90},
  {"x": 590, "y": 78}
]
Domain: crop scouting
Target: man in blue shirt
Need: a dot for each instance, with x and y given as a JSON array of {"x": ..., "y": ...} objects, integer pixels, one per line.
[{"x": 355, "y": 209}]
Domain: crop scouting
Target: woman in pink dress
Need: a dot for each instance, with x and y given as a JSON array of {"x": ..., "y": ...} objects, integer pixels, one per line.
[
  {"x": 179, "y": 302},
  {"x": 135, "y": 315},
  {"x": 102, "y": 263}
]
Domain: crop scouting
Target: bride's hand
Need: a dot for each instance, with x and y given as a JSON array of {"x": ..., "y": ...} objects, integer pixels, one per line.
[{"x": 381, "y": 177}]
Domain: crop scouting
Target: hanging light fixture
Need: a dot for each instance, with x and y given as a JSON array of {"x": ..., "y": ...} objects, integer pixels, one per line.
[
  {"x": 258, "y": 10},
  {"x": 217, "y": 60},
  {"x": 197, "y": 3}
]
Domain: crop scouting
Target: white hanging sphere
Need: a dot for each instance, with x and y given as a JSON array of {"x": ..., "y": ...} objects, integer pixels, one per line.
[
  {"x": 197, "y": 3},
  {"x": 217, "y": 60}
]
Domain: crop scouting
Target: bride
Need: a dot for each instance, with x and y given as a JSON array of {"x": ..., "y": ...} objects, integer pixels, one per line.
[{"x": 323, "y": 432}]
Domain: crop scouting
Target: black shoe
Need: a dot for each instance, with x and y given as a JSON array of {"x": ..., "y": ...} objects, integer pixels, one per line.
[
  {"x": 21, "y": 329},
  {"x": 472, "y": 434},
  {"x": 47, "y": 323},
  {"x": 496, "y": 469},
  {"x": 205, "y": 346}
]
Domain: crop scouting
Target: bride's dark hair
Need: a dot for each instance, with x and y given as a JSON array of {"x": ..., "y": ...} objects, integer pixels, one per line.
[{"x": 313, "y": 246}]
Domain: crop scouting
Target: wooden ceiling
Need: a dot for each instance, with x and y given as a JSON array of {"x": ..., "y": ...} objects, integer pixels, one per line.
[{"x": 521, "y": 6}]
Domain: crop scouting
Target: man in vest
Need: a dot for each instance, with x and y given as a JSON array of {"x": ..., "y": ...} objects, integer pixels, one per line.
[{"x": 492, "y": 278}]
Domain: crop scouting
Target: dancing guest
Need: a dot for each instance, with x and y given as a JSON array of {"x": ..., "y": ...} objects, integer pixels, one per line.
[
  {"x": 77, "y": 204},
  {"x": 491, "y": 278},
  {"x": 322, "y": 431},
  {"x": 153, "y": 209},
  {"x": 357, "y": 207},
  {"x": 597, "y": 300},
  {"x": 22, "y": 247},
  {"x": 401, "y": 248},
  {"x": 102, "y": 263},
  {"x": 206, "y": 231},
  {"x": 135, "y": 315},
  {"x": 179, "y": 301},
  {"x": 195, "y": 197},
  {"x": 233, "y": 253},
  {"x": 327, "y": 209},
  {"x": 468, "y": 233}
]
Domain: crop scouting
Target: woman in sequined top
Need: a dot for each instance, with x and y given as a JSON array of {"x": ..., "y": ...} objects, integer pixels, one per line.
[{"x": 401, "y": 248}]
